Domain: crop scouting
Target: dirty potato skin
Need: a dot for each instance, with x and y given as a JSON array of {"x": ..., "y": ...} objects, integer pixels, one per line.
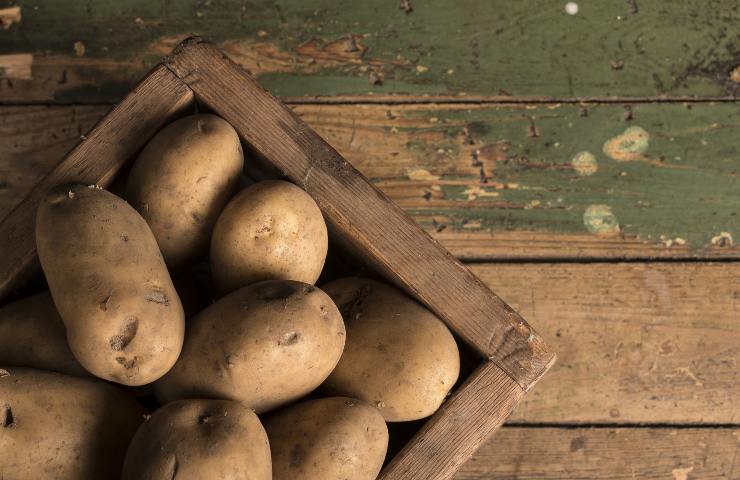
[
  {"x": 182, "y": 180},
  {"x": 199, "y": 440},
  {"x": 270, "y": 230},
  {"x": 60, "y": 427},
  {"x": 32, "y": 335},
  {"x": 264, "y": 345},
  {"x": 110, "y": 285},
  {"x": 419, "y": 357},
  {"x": 333, "y": 438}
]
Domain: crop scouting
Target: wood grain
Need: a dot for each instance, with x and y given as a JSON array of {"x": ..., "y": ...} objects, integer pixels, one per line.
[
  {"x": 455, "y": 432},
  {"x": 96, "y": 51},
  {"x": 95, "y": 160},
  {"x": 607, "y": 453},
  {"x": 360, "y": 216},
  {"x": 422, "y": 157},
  {"x": 637, "y": 343}
]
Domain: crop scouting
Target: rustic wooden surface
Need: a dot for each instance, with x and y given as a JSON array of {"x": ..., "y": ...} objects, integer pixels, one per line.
[
  {"x": 532, "y": 202},
  {"x": 648, "y": 350},
  {"x": 94, "y": 51}
]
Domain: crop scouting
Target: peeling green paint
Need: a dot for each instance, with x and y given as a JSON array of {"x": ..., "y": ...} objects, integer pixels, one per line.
[
  {"x": 688, "y": 190},
  {"x": 632, "y": 144},
  {"x": 504, "y": 48}
]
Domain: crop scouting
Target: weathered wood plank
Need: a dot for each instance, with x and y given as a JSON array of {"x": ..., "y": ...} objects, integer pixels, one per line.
[
  {"x": 581, "y": 170},
  {"x": 636, "y": 343},
  {"x": 607, "y": 454},
  {"x": 675, "y": 196},
  {"x": 85, "y": 51}
]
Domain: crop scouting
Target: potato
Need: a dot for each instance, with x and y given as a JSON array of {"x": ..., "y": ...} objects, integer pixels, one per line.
[
  {"x": 32, "y": 335},
  {"x": 399, "y": 356},
  {"x": 110, "y": 285},
  {"x": 271, "y": 230},
  {"x": 264, "y": 345},
  {"x": 61, "y": 427},
  {"x": 327, "y": 439},
  {"x": 199, "y": 440},
  {"x": 182, "y": 180}
]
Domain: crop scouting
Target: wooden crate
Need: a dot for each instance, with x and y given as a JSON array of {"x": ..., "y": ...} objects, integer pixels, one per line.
[{"x": 360, "y": 219}]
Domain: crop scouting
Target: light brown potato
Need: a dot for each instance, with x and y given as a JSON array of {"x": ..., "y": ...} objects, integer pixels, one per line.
[
  {"x": 399, "y": 356},
  {"x": 60, "y": 427},
  {"x": 199, "y": 440},
  {"x": 182, "y": 180},
  {"x": 110, "y": 285},
  {"x": 334, "y": 438},
  {"x": 271, "y": 230},
  {"x": 32, "y": 335},
  {"x": 264, "y": 345}
]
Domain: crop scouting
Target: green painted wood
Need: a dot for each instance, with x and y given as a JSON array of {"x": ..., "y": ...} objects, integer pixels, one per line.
[
  {"x": 666, "y": 177},
  {"x": 94, "y": 51},
  {"x": 503, "y": 181}
]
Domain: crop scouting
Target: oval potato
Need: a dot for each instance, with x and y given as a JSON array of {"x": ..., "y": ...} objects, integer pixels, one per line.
[
  {"x": 327, "y": 439},
  {"x": 271, "y": 230},
  {"x": 199, "y": 440},
  {"x": 110, "y": 285},
  {"x": 399, "y": 356},
  {"x": 264, "y": 345},
  {"x": 182, "y": 180},
  {"x": 60, "y": 427},
  {"x": 32, "y": 335}
]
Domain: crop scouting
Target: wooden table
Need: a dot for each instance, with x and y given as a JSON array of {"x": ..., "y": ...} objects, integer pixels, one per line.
[{"x": 585, "y": 165}]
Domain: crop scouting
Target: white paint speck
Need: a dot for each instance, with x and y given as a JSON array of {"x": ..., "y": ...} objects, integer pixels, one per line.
[
  {"x": 600, "y": 219},
  {"x": 681, "y": 473},
  {"x": 584, "y": 163},
  {"x": 571, "y": 8}
]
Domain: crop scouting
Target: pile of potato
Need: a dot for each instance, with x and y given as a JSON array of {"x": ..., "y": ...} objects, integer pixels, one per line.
[{"x": 276, "y": 378}]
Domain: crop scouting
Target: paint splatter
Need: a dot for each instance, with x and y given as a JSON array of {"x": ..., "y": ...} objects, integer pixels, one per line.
[
  {"x": 475, "y": 191},
  {"x": 735, "y": 74},
  {"x": 629, "y": 146},
  {"x": 600, "y": 220},
  {"x": 584, "y": 163},
  {"x": 682, "y": 473},
  {"x": 79, "y": 48},
  {"x": 9, "y": 16},
  {"x": 16, "y": 66},
  {"x": 724, "y": 239},
  {"x": 421, "y": 174}
]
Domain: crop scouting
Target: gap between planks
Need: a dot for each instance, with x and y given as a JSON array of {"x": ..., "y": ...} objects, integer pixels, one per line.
[
  {"x": 393, "y": 100},
  {"x": 622, "y": 426}
]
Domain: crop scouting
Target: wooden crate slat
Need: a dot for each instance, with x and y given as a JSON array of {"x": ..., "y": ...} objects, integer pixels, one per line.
[
  {"x": 361, "y": 216},
  {"x": 454, "y": 433},
  {"x": 95, "y": 160}
]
